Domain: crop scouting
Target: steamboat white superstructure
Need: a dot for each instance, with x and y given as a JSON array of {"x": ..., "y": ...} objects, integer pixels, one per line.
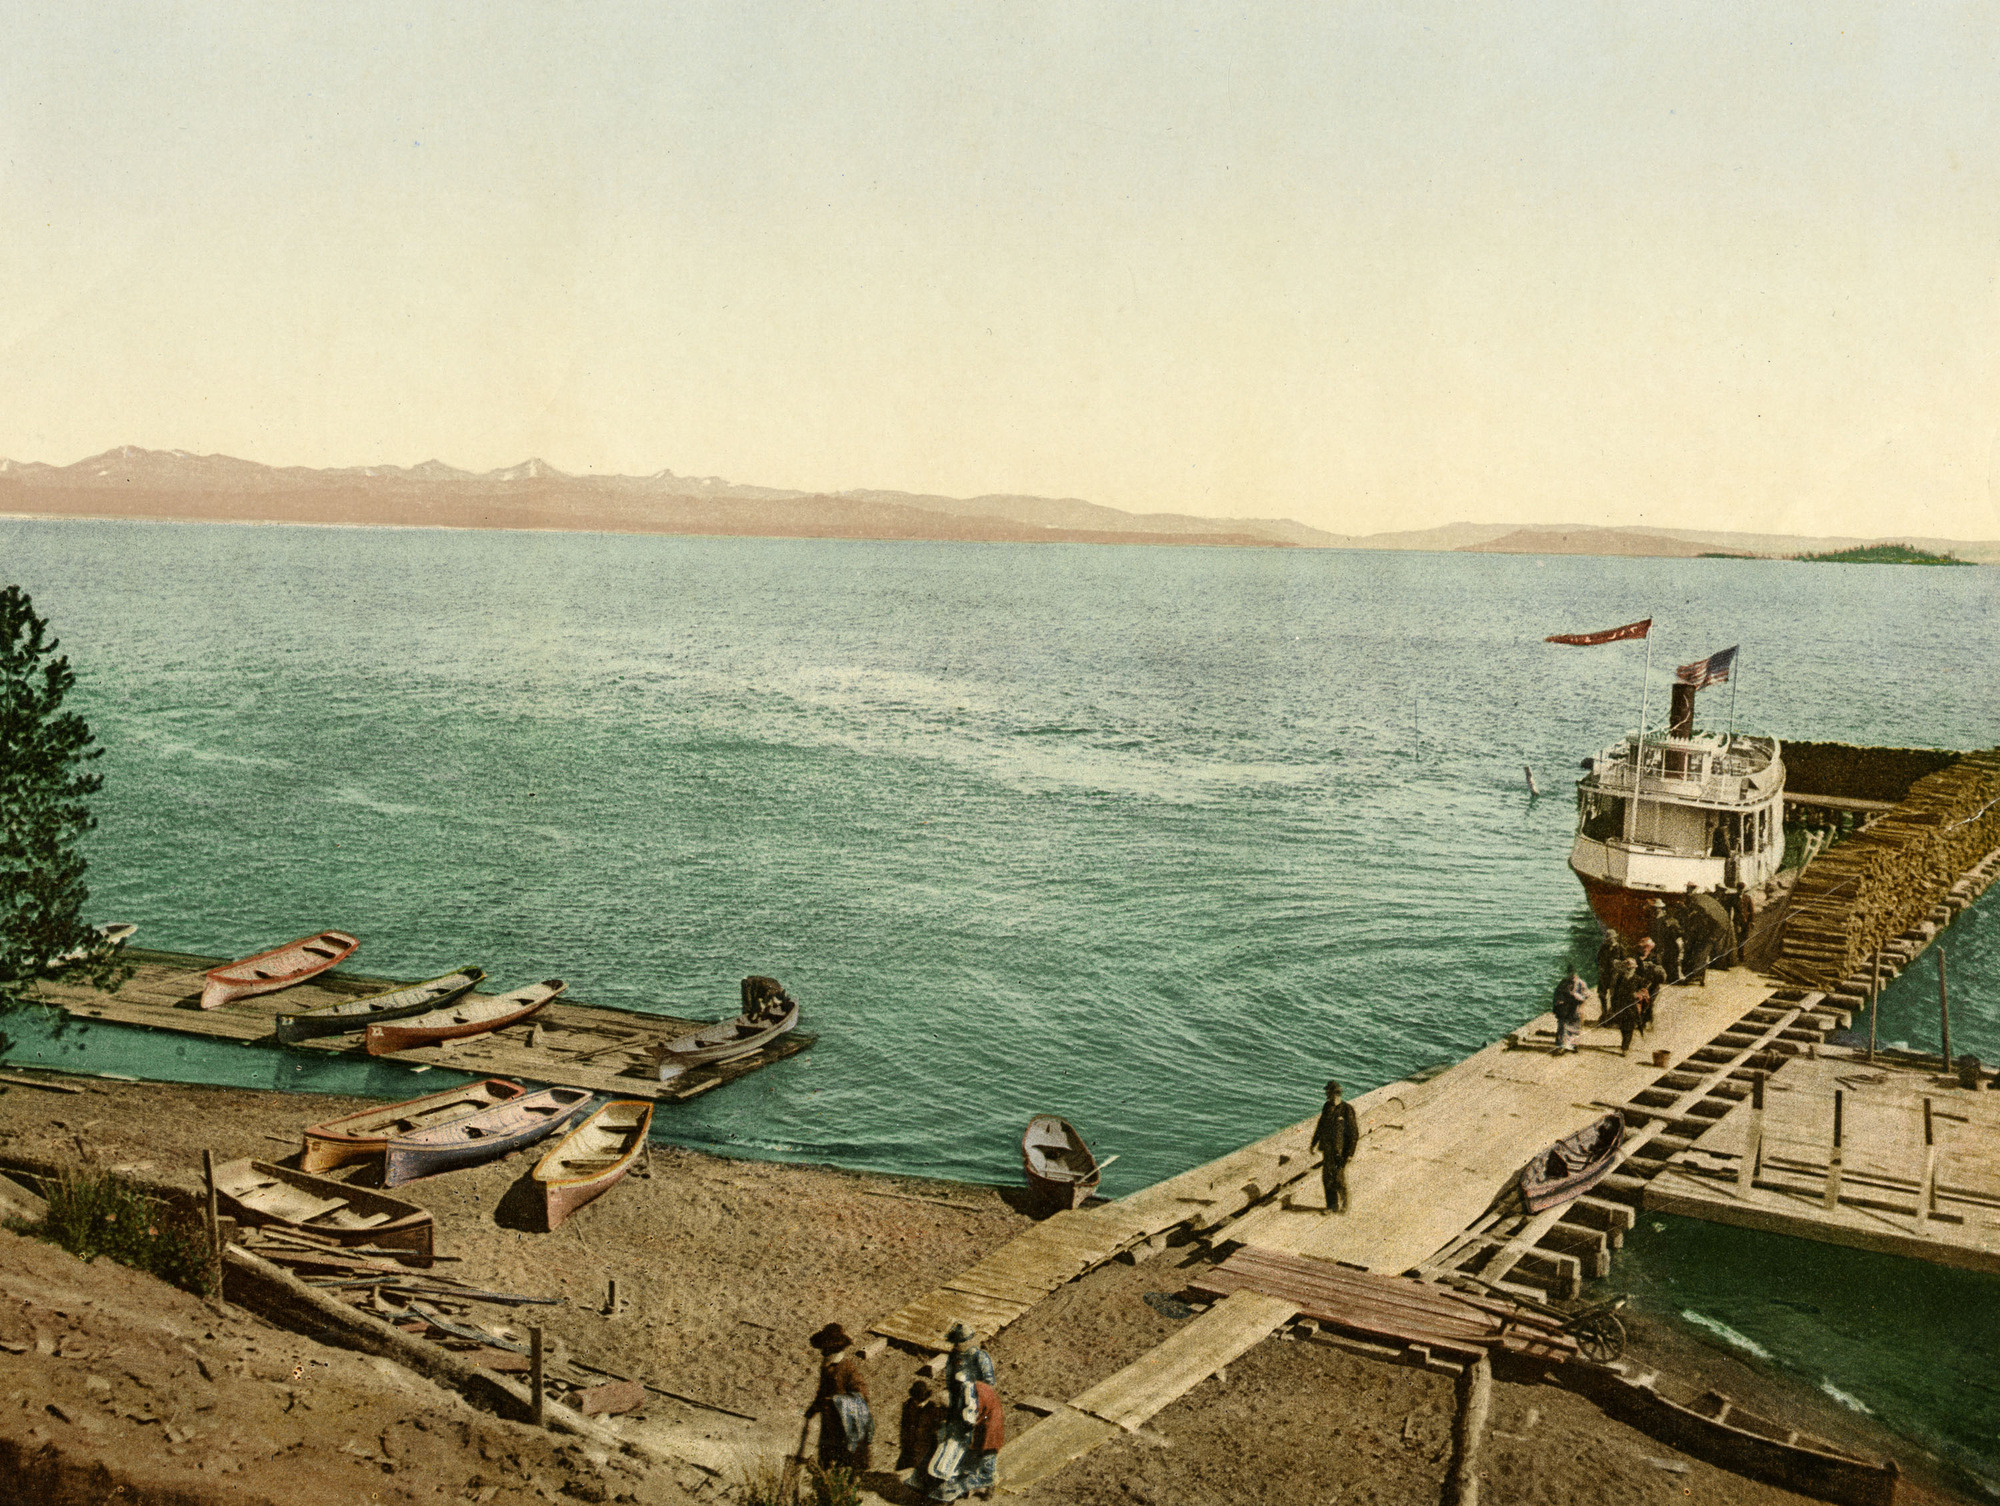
[{"x": 1661, "y": 812}]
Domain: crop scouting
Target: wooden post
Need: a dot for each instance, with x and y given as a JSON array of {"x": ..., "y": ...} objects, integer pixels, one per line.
[
  {"x": 1927, "y": 1185},
  {"x": 611, "y": 1298},
  {"x": 1753, "y": 1143},
  {"x": 1475, "y": 1400},
  {"x": 214, "y": 1222},
  {"x": 1833, "y": 1159},
  {"x": 1874, "y": 1005},
  {"x": 535, "y": 1375},
  {"x": 1944, "y": 1012}
]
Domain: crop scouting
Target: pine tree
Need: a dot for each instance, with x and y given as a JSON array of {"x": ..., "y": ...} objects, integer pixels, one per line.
[{"x": 44, "y": 784}]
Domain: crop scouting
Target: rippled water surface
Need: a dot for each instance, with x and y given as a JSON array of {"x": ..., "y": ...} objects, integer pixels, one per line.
[{"x": 1157, "y": 839}]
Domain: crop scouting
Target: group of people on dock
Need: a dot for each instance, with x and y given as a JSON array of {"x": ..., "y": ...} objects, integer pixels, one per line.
[
  {"x": 1682, "y": 942},
  {"x": 952, "y": 1445}
]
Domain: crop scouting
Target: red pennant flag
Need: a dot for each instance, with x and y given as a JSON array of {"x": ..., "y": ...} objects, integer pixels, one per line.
[{"x": 1609, "y": 635}]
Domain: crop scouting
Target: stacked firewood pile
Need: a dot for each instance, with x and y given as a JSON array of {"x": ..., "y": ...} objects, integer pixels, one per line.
[{"x": 1886, "y": 879}]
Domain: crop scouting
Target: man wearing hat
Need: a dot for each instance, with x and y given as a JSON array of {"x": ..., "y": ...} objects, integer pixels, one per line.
[
  {"x": 968, "y": 1451},
  {"x": 1647, "y": 981},
  {"x": 1625, "y": 1004},
  {"x": 1669, "y": 939},
  {"x": 1335, "y": 1137},
  {"x": 846, "y": 1427}
]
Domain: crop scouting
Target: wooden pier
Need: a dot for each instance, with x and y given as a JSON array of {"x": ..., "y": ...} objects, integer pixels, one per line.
[
  {"x": 565, "y": 1044},
  {"x": 1430, "y": 1192}
]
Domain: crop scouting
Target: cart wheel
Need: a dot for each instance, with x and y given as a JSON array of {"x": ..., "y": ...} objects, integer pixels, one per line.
[{"x": 1600, "y": 1337}]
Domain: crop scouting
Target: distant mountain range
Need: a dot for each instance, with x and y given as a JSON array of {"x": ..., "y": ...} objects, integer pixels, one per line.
[{"x": 176, "y": 484}]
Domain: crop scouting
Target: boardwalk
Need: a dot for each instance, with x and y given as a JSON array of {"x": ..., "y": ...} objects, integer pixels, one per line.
[{"x": 565, "y": 1044}]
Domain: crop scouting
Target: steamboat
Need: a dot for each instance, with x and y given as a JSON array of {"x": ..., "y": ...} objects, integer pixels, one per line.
[{"x": 1664, "y": 812}]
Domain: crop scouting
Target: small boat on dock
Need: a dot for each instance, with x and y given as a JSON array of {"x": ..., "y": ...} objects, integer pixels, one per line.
[
  {"x": 388, "y": 1004},
  {"x": 768, "y": 1012},
  {"x": 465, "y": 1016},
  {"x": 363, "y": 1136},
  {"x": 1061, "y": 1170},
  {"x": 1573, "y": 1165},
  {"x": 267, "y": 1195},
  {"x": 597, "y": 1153},
  {"x": 281, "y": 967},
  {"x": 483, "y": 1136}
]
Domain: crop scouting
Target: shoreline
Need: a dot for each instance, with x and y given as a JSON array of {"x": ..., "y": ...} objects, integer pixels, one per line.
[{"x": 725, "y": 1266}]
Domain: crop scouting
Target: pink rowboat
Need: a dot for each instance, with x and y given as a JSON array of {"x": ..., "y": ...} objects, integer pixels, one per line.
[
  {"x": 281, "y": 967},
  {"x": 366, "y": 1135},
  {"x": 471, "y": 1015},
  {"x": 592, "y": 1156}
]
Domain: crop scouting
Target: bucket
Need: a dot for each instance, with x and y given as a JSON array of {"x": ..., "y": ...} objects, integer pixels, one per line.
[{"x": 1663, "y": 1058}]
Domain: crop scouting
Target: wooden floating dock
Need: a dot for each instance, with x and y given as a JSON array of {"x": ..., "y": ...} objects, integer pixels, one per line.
[
  {"x": 565, "y": 1044},
  {"x": 1885, "y": 1186}
]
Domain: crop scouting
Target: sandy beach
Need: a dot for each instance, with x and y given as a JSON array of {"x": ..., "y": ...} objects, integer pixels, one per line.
[{"x": 723, "y": 1269}]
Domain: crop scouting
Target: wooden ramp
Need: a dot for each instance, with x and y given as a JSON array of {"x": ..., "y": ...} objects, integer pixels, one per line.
[
  {"x": 1894, "y": 1194},
  {"x": 565, "y": 1044}
]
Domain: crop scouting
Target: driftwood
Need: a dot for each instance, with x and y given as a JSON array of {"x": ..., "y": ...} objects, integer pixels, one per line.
[
  {"x": 278, "y": 1294},
  {"x": 46, "y": 1087}
]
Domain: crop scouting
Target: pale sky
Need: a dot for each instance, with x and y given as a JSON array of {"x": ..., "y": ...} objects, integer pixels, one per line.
[{"x": 1367, "y": 265}]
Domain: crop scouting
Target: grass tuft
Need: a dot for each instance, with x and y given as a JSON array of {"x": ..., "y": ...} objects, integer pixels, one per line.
[{"x": 94, "y": 1213}]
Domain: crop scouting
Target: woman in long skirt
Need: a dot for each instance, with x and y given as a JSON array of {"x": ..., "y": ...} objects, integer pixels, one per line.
[
  {"x": 968, "y": 1451},
  {"x": 846, "y": 1427}
]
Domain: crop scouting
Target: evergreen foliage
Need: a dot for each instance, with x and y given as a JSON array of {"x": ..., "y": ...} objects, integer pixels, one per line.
[
  {"x": 1882, "y": 554},
  {"x": 45, "y": 753}
]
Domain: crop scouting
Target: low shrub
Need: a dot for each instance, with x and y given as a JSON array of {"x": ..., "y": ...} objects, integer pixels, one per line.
[{"x": 94, "y": 1213}]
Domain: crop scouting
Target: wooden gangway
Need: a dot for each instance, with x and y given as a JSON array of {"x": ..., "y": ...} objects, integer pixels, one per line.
[{"x": 565, "y": 1044}]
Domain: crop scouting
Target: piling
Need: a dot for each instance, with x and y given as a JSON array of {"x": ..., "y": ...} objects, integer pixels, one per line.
[
  {"x": 1944, "y": 1011},
  {"x": 1468, "y": 1432},
  {"x": 535, "y": 1376},
  {"x": 1834, "y": 1159}
]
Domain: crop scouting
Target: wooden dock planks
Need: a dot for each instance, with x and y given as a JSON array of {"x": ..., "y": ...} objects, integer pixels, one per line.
[
  {"x": 1884, "y": 1165},
  {"x": 1392, "y": 1308},
  {"x": 564, "y": 1044}
]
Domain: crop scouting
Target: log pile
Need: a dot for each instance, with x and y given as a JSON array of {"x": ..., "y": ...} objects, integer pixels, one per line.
[{"x": 1886, "y": 879}]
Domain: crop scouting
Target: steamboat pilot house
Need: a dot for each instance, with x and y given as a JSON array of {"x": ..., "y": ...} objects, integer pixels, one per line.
[{"x": 1659, "y": 812}]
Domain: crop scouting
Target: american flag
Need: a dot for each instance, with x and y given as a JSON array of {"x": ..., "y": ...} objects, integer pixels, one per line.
[
  {"x": 1714, "y": 670},
  {"x": 1609, "y": 635}
]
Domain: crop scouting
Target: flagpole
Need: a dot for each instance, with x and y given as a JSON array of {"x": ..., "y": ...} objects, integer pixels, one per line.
[
  {"x": 1735, "y": 676},
  {"x": 1639, "y": 752}
]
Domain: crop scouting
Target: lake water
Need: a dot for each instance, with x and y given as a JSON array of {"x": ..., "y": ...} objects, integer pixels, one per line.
[{"x": 1154, "y": 838}]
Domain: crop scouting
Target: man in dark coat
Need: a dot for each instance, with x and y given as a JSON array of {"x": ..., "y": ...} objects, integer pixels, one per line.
[
  {"x": 1625, "y": 1003},
  {"x": 1610, "y": 952},
  {"x": 1668, "y": 939},
  {"x": 1336, "y": 1137},
  {"x": 1647, "y": 981}
]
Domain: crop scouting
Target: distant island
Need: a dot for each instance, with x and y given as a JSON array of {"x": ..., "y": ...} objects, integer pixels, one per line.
[
  {"x": 180, "y": 486},
  {"x": 1882, "y": 554}
]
